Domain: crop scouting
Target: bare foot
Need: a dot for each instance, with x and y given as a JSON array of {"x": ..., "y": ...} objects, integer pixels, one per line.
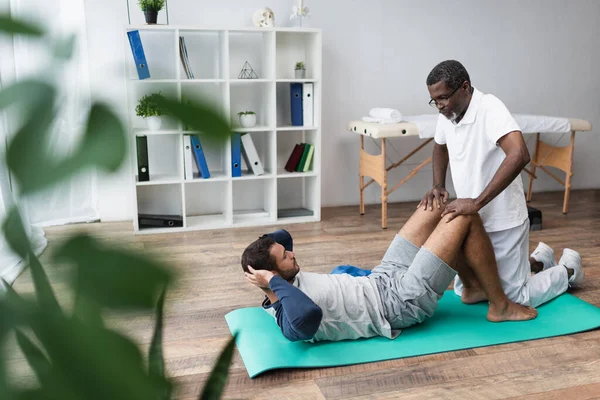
[
  {"x": 473, "y": 295},
  {"x": 510, "y": 312}
]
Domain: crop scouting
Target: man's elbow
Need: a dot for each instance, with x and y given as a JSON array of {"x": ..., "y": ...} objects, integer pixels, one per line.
[{"x": 306, "y": 329}]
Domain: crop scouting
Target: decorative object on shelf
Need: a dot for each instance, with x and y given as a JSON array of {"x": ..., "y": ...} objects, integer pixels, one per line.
[
  {"x": 300, "y": 71},
  {"x": 247, "y": 118},
  {"x": 299, "y": 12},
  {"x": 247, "y": 72},
  {"x": 264, "y": 18},
  {"x": 148, "y": 109},
  {"x": 151, "y": 9}
]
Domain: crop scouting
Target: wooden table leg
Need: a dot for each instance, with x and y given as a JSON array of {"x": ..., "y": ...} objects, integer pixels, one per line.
[
  {"x": 383, "y": 189},
  {"x": 361, "y": 178},
  {"x": 533, "y": 165},
  {"x": 569, "y": 173}
]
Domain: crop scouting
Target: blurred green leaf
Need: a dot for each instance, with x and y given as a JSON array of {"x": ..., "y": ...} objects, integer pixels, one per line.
[
  {"x": 63, "y": 48},
  {"x": 213, "y": 389},
  {"x": 87, "y": 310},
  {"x": 30, "y": 394},
  {"x": 103, "y": 146},
  {"x": 156, "y": 361},
  {"x": 24, "y": 92},
  {"x": 14, "y": 26},
  {"x": 200, "y": 117},
  {"x": 99, "y": 364},
  {"x": 50, "y": 380},
  {"x": 113, "y": 277},
  {"x": 105, "y": 141},
  {"x": 16, "y": 237}
]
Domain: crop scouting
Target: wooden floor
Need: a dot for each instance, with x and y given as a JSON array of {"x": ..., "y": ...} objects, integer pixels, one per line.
[{"x": 211, "y": 284}]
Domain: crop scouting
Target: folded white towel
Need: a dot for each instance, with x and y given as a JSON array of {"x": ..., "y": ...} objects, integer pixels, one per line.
[
  {"x": 382, "y": 120},
  {"x": 386, "y": 113}
]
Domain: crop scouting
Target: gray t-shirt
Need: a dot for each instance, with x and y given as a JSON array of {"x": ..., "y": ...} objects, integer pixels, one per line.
[{"x": 351, "y": 306}]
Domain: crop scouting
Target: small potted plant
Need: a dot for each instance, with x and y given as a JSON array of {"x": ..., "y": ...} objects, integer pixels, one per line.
[
  {"x": 247, "y": 118},
  {"x": 151, "y": 9},
  {"x": 149, "y": 109},
  {"x": 300, "y": 70}
]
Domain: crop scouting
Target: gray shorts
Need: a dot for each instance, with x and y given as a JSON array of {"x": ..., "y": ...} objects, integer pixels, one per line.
[{"x": 410, "y": 281}]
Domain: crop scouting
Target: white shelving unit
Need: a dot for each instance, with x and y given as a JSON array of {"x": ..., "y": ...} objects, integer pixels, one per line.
[{"x": 216, "y": 57}]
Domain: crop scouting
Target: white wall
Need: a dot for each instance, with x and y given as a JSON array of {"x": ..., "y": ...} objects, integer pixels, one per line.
[{"x": 537, "y": 56}]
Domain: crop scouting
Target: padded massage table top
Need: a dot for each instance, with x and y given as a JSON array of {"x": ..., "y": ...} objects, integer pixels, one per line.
[{"x": 424, "y": 126}]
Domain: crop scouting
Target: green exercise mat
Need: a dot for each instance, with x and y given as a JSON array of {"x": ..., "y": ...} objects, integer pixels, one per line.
[{"x": 455, "y": 326}]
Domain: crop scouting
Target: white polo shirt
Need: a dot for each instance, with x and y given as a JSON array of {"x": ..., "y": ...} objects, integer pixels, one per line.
[{"x": 475, "y": 156}]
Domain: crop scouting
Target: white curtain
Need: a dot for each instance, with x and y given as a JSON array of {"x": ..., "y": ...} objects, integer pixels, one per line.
[{"x": 74, "y": 200}]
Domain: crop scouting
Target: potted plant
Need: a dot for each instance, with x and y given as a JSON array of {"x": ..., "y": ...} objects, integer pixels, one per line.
[
  {"x": 300, "y": 70},
  {"x": 148, "y": 108},
  {"x": 151, "y": 9},
  {"x": 247, "y": 118}
]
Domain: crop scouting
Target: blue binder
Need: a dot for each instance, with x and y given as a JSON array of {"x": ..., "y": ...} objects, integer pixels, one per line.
[
  {"x": 236, "y": 157},
  {"x": 138, "y": 54},
  {"x": 200, "y": 159},
  {"x": 296, "y": 103}
]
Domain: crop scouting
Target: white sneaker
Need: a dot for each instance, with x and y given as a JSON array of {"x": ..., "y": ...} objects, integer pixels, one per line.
[
  {"x": 572, "y": 259},
  {"x": 544, "y": 254}
]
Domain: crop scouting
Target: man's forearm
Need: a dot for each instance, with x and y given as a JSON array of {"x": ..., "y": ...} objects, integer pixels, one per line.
[
  {"x": 440, "y": 165},
  {"x": 510, "y": 168}
]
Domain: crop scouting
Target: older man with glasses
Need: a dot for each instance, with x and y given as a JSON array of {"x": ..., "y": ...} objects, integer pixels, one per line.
[{"x": 480, "y": 139}]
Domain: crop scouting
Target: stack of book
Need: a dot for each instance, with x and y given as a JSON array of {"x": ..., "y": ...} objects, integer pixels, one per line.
[{"x": 300, "y": 158}]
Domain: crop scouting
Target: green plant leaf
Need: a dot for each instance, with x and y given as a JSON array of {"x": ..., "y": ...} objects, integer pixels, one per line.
[
  {"x": 113, "y": 277},
  {"x": 98, "y": 363},
  {"x": 51, "y": 382},
  {"x": 24, "y": 92},
  {"x": 64, "y": 47},
  {"x": 199, "y": 117},
  {"x": 14, "y": 26},
  {"x": 87, "y": 310},
  {"x": 156, "y": 361},
  {"x": 103, "y": 146},
  {"x": 16, "y": 237},
  {"x": 213, "y": 389}
]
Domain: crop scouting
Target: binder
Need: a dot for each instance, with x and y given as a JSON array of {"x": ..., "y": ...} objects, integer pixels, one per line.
[
  {"x": 156, "y": 220},
  {"x": 307, "y": 104},
  {"x": 300, "y": 165},
  {"x": 138, "y": 54},
  {"x": 142, "y": 158},
  {"x": 296, "y": 104},
  {"x": 236, "y": 157},
  {"x": 200, "y": 159},
  {"x": 294, "y": 157},
  {"x": 309, "y": 158},
  {"x": 188, "y": 158},
  {"x": 250, "y": 155}
]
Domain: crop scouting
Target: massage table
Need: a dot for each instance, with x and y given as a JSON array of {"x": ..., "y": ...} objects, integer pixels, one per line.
[{"x": 423, "y": 126}]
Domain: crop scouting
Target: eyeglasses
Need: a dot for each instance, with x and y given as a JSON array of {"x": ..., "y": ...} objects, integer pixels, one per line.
[{"x": 434, "y": 103}]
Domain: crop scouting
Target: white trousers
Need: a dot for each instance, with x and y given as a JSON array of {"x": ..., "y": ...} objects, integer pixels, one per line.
[{"x": 511, "y": 247}]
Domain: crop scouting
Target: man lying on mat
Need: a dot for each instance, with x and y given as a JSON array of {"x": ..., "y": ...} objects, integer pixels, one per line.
[{"x": 403, "y": 290}]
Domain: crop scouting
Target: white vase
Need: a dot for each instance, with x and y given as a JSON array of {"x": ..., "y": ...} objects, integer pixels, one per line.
[
  {"x": 153, "y": 122},
  {"x": 300, "y": 73},
  {"x": 247, "y": 120}
]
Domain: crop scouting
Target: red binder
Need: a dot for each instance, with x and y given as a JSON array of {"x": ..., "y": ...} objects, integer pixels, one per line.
[{"x": 294, "y": 157}]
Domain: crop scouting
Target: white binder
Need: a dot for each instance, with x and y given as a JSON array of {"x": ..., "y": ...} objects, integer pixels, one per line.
[
  {"x": 307, "y": 104},
  {"x": 250, "y": 155},
  {"x": 187, "y": 157}
]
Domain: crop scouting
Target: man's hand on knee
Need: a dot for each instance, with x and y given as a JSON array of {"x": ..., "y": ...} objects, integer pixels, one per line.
[{"x": 460, "y": 207}]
